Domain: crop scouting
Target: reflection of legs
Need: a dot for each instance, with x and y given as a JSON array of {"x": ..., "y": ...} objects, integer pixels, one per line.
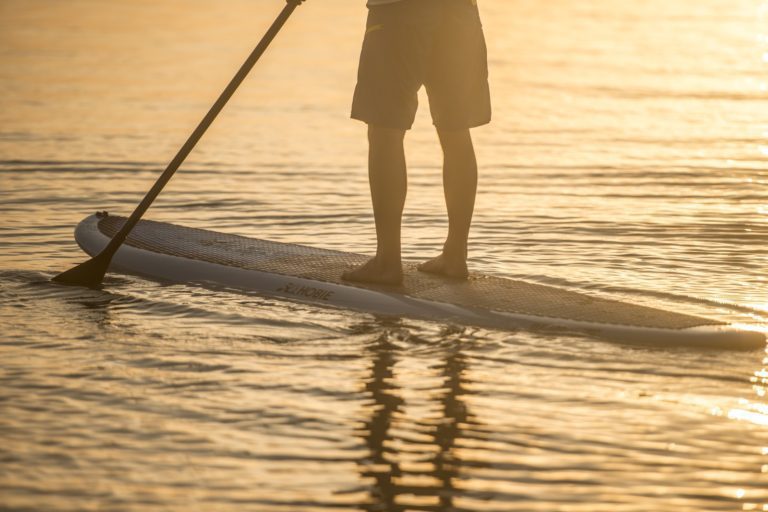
[
  {"x": 388, "y": 181},
  {"x": 381, "y": 466},
  {"x": 456, "y": 417},
  {"x": 460, "y": 187}
]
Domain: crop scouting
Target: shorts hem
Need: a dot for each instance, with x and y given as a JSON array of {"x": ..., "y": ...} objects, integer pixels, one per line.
[
  {"x": 380, "y": 122},
  {"x": 462, "y": 126}
]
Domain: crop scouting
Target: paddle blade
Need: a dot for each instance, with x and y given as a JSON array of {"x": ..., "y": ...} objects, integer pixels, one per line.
[{"x": 89, "y": 274}]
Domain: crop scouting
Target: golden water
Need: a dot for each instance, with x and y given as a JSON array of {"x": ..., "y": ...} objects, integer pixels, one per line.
[{"x": 626, "y": 158}]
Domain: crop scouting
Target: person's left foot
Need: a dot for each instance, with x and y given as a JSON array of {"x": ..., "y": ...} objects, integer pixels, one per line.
[
  {"x": 443, "y": 265},
  {"x": 375, "y": 271}
]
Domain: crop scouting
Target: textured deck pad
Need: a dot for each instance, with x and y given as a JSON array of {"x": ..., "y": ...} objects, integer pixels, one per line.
[{"x": 482, "y": 292}]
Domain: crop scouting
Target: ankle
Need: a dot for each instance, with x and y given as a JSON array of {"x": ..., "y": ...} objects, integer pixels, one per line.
[
  {"x": 387, "y": 260},
  {"x": 454, "y": 250}
]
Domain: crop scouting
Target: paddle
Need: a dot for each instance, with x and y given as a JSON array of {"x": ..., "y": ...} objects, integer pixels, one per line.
[{"x": 91, "y": 273}]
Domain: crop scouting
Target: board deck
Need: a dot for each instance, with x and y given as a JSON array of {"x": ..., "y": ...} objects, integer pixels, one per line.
[{"x": 176, "y": 253}]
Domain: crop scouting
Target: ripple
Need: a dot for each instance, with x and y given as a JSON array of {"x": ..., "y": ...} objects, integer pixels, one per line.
[{"x": 615, "y": 167}]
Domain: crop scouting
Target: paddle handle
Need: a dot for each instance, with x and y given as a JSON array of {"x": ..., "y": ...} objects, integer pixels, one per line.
[{"x": 193, "y": 139}]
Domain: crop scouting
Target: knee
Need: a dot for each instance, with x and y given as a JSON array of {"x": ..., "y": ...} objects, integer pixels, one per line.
[
  {"x": 384, "y": 138},
  {"x": 456, "y": 143}
]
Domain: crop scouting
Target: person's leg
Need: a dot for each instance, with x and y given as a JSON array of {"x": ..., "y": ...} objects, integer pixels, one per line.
[
  {"x": 460, "y": 188},
  {"x": 459, "y": 99},
  {"x": 389, "y": 183}
]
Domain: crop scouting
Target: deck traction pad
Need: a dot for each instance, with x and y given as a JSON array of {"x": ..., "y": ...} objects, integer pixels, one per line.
[{"x": 480, "y": 291}]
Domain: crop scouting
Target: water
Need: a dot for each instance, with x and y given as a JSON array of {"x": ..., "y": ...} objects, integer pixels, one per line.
[{"x": 626, "y": 158}]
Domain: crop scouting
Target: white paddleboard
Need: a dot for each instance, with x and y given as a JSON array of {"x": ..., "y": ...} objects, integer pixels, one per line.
[{"x": 168, "y": 252}]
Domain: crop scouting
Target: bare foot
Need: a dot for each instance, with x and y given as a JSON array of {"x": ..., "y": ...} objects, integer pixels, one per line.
[
  {"x": 374, "y": 271},
  {"x": 445, "y": 266}
]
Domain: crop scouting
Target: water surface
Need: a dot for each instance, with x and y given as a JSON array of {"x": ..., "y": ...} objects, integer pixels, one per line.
[{"x": 626, "y": 159}]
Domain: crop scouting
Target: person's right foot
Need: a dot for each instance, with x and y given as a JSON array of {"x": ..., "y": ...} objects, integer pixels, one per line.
[
  {"x": 376, "y": 272},
  {"x": 443, "y": 265}
]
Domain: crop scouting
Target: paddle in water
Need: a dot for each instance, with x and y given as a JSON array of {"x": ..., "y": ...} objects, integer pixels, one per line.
[{"x": 91, "y": 273}]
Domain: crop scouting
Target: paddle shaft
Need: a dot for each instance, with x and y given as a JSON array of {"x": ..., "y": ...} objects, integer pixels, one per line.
[{"x": 188, "y": 146}]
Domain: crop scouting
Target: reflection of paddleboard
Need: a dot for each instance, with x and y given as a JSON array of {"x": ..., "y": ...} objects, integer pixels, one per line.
[{"x": 175, "y": 253}]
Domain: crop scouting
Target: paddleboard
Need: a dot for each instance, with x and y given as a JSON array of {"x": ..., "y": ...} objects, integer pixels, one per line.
[{"x": 169, "y": 252}]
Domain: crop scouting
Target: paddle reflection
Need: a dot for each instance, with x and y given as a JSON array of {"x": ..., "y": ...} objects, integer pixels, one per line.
[{"x": 412, "y": 431}]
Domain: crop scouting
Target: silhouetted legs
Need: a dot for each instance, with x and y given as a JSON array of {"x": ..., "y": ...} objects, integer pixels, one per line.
[{"x": 388, "y": 182}]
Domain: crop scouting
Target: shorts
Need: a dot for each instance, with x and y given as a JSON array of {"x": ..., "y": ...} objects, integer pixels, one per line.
[{"x": 435, "y": 43}]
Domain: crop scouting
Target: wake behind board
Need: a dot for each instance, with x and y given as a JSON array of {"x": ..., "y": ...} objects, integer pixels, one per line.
[{"x": 168, "y": 252}]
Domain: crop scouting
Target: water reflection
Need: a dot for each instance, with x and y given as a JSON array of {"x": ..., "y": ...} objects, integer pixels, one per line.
[
  {"x": 626, "y": 168},
  {"x": 412, "y": 460}
]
